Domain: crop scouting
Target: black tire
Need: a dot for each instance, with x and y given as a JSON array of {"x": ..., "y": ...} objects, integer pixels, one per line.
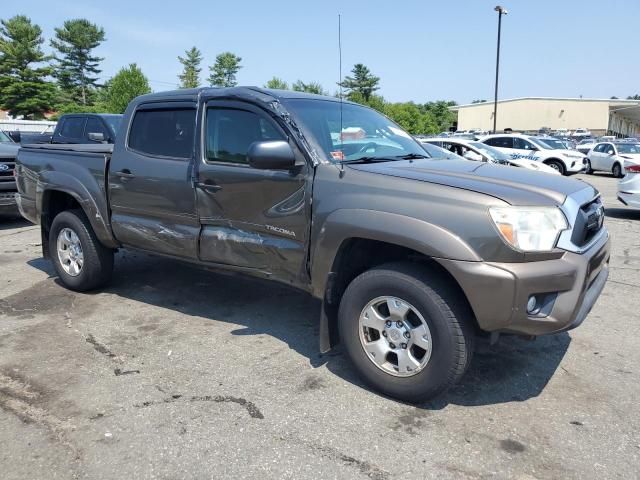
[
  {"x": 557, "y": 164},
  {"x": 588, "y": 170},
  {"x": 617, "y": 170},
  {"x": 444, "y": 309},
  {"x": 98, "y": 260}
]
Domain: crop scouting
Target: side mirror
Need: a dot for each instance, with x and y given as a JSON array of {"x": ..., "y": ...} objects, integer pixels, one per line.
[
  {"x": 96, "y": 136},
  {"x": 271, "y": 155},
  {"x": 611, "y": 152}
]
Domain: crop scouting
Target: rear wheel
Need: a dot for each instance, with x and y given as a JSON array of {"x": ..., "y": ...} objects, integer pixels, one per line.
[
  {"x": 556, "y": 165},
  {"x": 588, "y": 170},
  {"x": 407, "y": 330},
  {"x": 81, "y": 261},
  {"x": 617, "y": 170}
]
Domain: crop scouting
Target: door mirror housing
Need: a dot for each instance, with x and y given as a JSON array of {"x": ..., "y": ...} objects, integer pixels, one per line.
[
  {"x": 96, "y": 136},
  {"x": 271, "y": 155},
  {"x": 471, "y": 155},
  {"x": 611, "y": 152}
]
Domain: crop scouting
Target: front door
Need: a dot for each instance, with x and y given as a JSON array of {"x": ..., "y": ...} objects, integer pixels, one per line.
[
  {"x": 255, "y": 219},
  {"x": 150, "y": 181}
]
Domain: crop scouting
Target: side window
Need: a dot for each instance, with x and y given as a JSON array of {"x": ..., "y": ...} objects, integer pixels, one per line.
[
  {"x": 522, "y": 144},
  {"x": 500, "y": 142},
  {"x": 94, "y": 126},
  {"x": 72, "y": 127},
  {"x": 599, "y": 148},
  {"x": 610, "y": 149},
  {"x": 164, "y": 132},
  {"x": 230, "y": 132}
]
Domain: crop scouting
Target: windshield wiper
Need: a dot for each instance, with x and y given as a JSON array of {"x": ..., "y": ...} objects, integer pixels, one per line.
[
  {"x": 368, "y": 160},
  {"x": 412, "y": 156}
]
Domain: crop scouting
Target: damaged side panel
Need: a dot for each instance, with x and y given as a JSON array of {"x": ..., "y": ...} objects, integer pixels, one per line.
[{"x": 262, "y": 251}]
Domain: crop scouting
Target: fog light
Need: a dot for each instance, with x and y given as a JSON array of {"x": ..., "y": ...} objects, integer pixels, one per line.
[{"x": 532, "y": 304}]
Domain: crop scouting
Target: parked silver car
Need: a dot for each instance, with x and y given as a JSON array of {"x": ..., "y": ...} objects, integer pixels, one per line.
[{"x": 613, "y": 157}]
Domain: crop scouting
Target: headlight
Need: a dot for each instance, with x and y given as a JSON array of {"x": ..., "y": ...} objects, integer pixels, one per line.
[{"x": 530, "y": 229}]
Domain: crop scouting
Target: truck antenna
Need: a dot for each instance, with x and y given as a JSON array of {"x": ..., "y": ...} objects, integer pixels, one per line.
[{"x": 340, "y": 86}]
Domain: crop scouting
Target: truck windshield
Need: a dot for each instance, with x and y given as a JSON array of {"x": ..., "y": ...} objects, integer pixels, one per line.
[{"x": 351, "y": 132}]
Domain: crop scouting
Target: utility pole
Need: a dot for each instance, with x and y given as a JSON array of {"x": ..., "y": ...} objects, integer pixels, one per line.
[{"x": 501, "y": 11}]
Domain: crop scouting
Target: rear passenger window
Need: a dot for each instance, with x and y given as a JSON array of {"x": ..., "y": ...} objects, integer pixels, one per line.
[
  {"x": 500, "y": 142},
  {"x": 94, "y": 126},
  {"x": 230, "y": 132},
  {"x": 72, "y": 127},
  {"x": 164, "y": 132}
]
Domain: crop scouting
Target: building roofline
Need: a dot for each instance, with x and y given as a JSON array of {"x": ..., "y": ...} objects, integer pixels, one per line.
[{"x": 608, "y": 100}]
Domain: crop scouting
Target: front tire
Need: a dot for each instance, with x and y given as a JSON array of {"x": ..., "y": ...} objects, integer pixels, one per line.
[
  {"x": 557, "y": 165},
  {"x": 81, "y": 261},
  {"x": 407, "y": 330},
  {"x": 588, "y": 170}
]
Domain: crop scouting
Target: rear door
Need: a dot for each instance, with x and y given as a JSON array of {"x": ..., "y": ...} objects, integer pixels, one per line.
[
  {"x": 150, "y": 181},
  {"x": 254, "y": 219},
  {"x": 504, "y": 144}
]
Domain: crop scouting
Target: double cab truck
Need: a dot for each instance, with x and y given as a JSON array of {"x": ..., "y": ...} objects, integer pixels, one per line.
[
  {"x": 86, "y": 128},
  {"x": 412, "y": 257}
]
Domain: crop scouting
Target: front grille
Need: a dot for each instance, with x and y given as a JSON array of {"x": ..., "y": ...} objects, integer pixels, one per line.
[
  {"x": 6, "y": 170},
  {"x": 588, "y": 223}
]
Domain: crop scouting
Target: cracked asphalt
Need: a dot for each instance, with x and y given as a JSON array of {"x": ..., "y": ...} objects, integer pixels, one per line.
[{"x": 174, "y": 372}]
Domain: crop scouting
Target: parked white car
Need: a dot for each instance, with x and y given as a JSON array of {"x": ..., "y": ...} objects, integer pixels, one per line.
[
  {"x": 581, "y": 132},
  {"x": 629, "y": 186},
  {"x": 613, "y": 157},
  {"x": 526, "y": 147},
  {"x": 481, "y": 152},
  {"x": 584, "y": 146}
]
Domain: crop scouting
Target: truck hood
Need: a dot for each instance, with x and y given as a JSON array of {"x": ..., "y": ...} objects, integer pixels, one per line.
[
  {"x": 516, "y": 186},
  {"x": 8, "y": 150}
]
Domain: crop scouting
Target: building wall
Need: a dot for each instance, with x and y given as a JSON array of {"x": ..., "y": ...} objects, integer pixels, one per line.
[{"x": 532, "y": 114}]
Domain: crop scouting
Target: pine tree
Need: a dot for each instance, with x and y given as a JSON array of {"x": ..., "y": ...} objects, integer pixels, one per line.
[
  {"x": 362, "y": 81},
  {"x": 277, "y": 83},
  {"x": 190, "y": 76},
  {"x": 224, "y": 71},
  {"x": 24, "y": 90},
  {"x": 76, "y": 67}
]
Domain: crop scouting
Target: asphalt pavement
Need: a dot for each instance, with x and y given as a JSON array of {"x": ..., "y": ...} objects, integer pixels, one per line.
[{"x": 173, "y": 372}]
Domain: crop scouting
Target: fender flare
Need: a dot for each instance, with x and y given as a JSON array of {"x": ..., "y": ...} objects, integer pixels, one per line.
[
  {"x": 415, "y": 234},
  {"x": 97, "y": 212}
]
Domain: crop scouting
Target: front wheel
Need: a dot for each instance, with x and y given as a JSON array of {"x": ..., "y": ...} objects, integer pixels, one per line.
[
  {"x": 588, "y": 169},
  {"x": 81, "y": 261},
  {"x": 557, "y": 165},
  {"x": 406, "y": 330}
]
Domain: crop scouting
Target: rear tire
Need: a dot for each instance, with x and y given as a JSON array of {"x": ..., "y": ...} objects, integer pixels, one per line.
[
  {"x": 437, "y": 301},
  {"x": 557, "y": 165},
  {"x": 617, "y": 170},
  {"x": 81, "y": 261}
]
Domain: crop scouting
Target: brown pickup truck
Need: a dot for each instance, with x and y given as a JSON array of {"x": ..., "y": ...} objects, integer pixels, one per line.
[{"x": 411, "y": 256}]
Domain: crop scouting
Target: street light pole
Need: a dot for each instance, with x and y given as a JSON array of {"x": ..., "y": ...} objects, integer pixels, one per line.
[{"x": 501, "y": 11}]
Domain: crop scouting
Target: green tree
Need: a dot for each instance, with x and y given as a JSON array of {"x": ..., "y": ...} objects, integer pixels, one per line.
[
  {"x": 224, "y": 71},
  {"x": 443, "y": 117},
  {"x": 190, "y": 76},
  {"x": 633, "y": 97},
  {"x": 362, "y": 81},
  {"x": 24, "y": 89},
  {"x": 311, "y": 87},
  {"x": 277, "y": 83},
  {"x": 126, "y": 85},
  {"x": 76, "y": 67}
]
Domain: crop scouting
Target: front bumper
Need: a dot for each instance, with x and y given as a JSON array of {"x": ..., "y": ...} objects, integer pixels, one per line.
[
  {"x": 8, "y": 204},
  {"x": 498, "y": 292}
]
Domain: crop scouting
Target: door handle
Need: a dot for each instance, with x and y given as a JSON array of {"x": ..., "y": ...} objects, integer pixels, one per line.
[
  {"x": 208, "y": 187},
  {"x": 125, "y": 174}
]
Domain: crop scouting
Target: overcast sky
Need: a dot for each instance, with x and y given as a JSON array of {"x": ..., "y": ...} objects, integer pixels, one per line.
[{"x": 422, "y": 50}]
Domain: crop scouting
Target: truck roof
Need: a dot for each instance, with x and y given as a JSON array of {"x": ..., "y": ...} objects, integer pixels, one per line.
[{"x": 241, "y": 92}]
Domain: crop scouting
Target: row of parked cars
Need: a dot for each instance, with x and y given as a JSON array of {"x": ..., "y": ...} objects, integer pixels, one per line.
[{"x": 621, "y": 158}]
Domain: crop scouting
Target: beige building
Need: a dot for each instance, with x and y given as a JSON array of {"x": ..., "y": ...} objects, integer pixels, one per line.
[{"x": 616, "y": 117}]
